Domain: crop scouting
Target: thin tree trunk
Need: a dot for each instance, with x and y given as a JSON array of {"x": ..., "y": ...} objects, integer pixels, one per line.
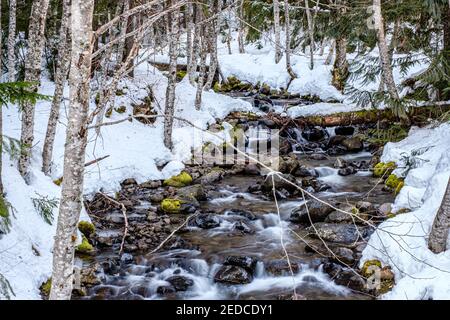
[
  {"x": 214, "y": 59},
  {"x": 202, "y": 73},
  {"x": 189, "y": 47},
  {"x": 392, "y": 47},
  {"x": 172, "y": 79},
  {"x": 329, "y": 58},
  {"x": 192, "y": 69},
  {"x": 36, "y": 40},
  {"x": 310, "y": 34},
  {"x": 384, "y": 52},
  {"x": 277, "y": 30},
  {"x": 340, "y": 68},
  {"x": 288, "y": 40},
  {"x": 12, "y": 41},
  {"x": 437, "y": 241},
  {"x": 1, "y": 108},
  {"x": 60, "y": 81},
  {"x": 241, "y": 27},
  {"x": 75, "y": 149}
]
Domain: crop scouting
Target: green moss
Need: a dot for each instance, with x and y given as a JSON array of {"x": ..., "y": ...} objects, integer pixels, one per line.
[
  {"x": 395, "y": 183},
  {"x": 121, "y": 109},
  {"x": 119, "y": 92},
  {"x": 108, "y": 113},
  {"x": 171, "y": 205},
  {"x": 86, "y": 228},
  {"x": 399, "y": 187},
  {"x": 46, "y": 287},
  {"x": 181, "y": 74},
  {"x": 383, "y": 169},
  {"x": 181, "y": 180},
  {"x": 58, "y": 181},
  {"x": 85, "y": 247},
  {"x": 4, "y": 211},
  {"x": 366, "y": 270}
]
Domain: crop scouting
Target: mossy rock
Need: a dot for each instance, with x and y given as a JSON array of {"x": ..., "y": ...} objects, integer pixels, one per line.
[
  {"x": 120, "y": 92},
  {"x": 182, "y": 180},
  {"x": 85, "y": 247},
  {"x": 86, "y": 228},
  {"x": 383, "y": 169},
  {"x": 46, "y": 287},
  {"x": 58, "y": 181},
  {"x": 4, "y": 210},
  {"x": 108, "y": 113},
  {"x": 181, "y": 74},
  {"x": 367, "y": 271},
  {"x": 121, "y": 109},
  {"x": 394, "y": 183},
  {"x": 171, "y": 205}
]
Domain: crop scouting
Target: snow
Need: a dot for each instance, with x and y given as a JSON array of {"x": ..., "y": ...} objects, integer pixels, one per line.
[
  {"x": 135, "y": 151},
  {"x": 401, "y": 242}
]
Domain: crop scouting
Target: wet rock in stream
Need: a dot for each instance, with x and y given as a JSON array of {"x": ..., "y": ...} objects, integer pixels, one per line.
[
  {"x": 233, "y": 275},
  {"x": 339, "y": 233},
  {"x": 180, "y": 283},
  {"x": 314, "y": 211}
]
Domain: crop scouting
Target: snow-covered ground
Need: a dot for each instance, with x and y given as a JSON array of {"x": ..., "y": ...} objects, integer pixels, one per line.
[
  {"x": 401, "y": 241},
  {"x": 135, "y": 151}
]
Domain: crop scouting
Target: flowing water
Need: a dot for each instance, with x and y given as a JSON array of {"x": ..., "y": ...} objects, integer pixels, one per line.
[{"x": 261, "y": 240}]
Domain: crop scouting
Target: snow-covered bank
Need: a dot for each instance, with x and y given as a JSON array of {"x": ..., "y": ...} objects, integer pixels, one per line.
[
  {"x": 135, "y": 151},
  {"x": 402, "y": 242}
]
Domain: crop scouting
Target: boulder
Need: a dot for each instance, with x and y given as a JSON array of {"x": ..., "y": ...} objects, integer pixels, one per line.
[
  {"x": 281, "y": 267},
  {"x": 314, "y": 134},
  {"x": 353, "y": 144},
  {"x": 233, "y": 275},
  {"x": 180, "y": 283},
  {"x": 317, "y": 212},
  {"x": 243, "y": 213},
  {"x": 304, "y": 172},
  {"x": 344, "y": 131},
  {"x": 246, "y": 262},
  {"x": 338, "y": 233},
  {"x": 280, "y": 183},
  {"x": 206, "y": 221}
]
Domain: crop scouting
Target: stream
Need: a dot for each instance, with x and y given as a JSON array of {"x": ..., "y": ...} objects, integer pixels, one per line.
[{"x": 233, "y": 249}]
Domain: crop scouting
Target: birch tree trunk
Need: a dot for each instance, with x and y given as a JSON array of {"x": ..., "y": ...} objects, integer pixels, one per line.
[
  {"x": 277, "y": 30},
  {"x": 310, "y": 34},
  {"x": 172, "y": 79},
  {"x": 437, "y": 241},
  {"x": 288, "y": 41},
  {"x": 36, "y": 40},
  {"x": 75, "y": 149},
  {"x": 60, "y": 81},
  {"x": 241, "y": 27},
  {"x": 384, "y": 52},
  {"x": 189, "y": 46},
  {"x": 12, "y": 41},
  {"x": 213, "y": 36}
]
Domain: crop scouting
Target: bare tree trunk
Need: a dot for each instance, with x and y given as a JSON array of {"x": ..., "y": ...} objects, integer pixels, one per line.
[
  {"x": 172, "y": 79},
  {"x": 125, "y": 4},
  {"x": 437, "y": 241},
  {"x": 277, "y": 30},
  {"x": 36, "y": 40},
  {"x": 75, "y": 149},
  {"x": 229, "y": 36},
  {"x": 214, "y": 34},
  {"x": 340, "y": 68},
  {"x": 310, "y": 34},
  {"x": 384, "y": 52},
  {"x": 329, "y": 58},
  {"x": 189, "y": 46},
  {"x": 192, "y": 69},
  {"x": 288, "y": 41},
  {"x": 241, "y": 27},
  {"x": 60, "y": 81},
  {"x": 392, "y": 47},
  {"x": 202, "y": 73},
  {"x": 1, "y": 108},
  {"x": 12, "y": 41}
]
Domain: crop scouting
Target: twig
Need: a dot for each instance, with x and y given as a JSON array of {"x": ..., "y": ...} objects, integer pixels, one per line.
[{"x": 87, "y": 164}]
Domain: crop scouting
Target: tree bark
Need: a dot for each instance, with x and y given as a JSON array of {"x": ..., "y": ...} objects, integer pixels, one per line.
[
  {"x": 75, "y": 149},
  {"x": 36, "y": 40},
  {"x": 340, "y": 68},
  {"x": 189, "y": 45},
  {"x": 384, "y": 51},
  {"x": 241, "y": 27},
  {"x": 172, "y": 79},
  {"x": 12, "y": 41},
  {"x": 437, "y": 241},
  {"x": 310, "y": 34},
  {"x": 277, "y": 30},
  {"x": 60, "y": 81},
  {"x": 213, "y": 36},
  {"x": 329, "y": 58},
  {"x": 288, "y": 40}
]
